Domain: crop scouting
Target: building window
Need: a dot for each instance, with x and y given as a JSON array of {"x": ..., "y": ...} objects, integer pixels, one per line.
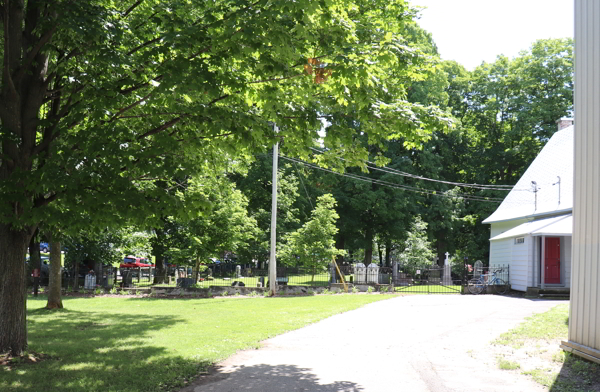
[{"x": 520, "y": 240}]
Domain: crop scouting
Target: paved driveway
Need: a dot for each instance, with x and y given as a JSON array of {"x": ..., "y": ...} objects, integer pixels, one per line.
[{"x": 412, "y": 343}]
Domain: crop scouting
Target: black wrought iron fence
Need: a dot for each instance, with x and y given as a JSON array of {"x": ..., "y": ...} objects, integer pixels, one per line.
[
  {"x": 427, "y": 279},
  {"x": 250, "y": 277}
]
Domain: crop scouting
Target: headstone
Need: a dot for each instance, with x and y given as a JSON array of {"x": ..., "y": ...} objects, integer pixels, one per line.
[
  {"x": 478, "y": 269},
  {"x": 238, "y": 271},
  {"x": 447, "y": 261},
  {"x": 447, "y": 281},
  {"x": 434, "y": 275},
  {"x": 360, "y": 273},
  {"x": 373, "y": 273}
]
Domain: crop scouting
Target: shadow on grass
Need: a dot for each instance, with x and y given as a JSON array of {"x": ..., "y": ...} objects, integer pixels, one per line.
[
  {"x": 576, "y": 374},
  {"x": 98, "y": 351},
  {"x": 269, "y": 378}
]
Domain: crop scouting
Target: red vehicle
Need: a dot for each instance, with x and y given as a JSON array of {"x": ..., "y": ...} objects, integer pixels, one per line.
[{"x": 135, "y": 262}]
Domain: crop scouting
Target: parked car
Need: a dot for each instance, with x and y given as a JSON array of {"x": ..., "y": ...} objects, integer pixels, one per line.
[
  {"x": 44, "y": 247},
  {"x": 133, "y": 263},
  {"x": 45, "y": 271}
]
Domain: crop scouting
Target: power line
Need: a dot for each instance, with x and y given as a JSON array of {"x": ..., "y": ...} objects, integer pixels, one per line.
[
  {"x": 405, "y": 174},
  {"x": 397, "y": 186},
  {"x": 303, "y": 186}
]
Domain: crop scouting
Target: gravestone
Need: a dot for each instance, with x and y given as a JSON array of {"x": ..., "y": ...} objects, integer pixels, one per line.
[
  {"x": 434, "y": 273},
  {"x": 447, "y": 281},
  {"x": 238, "y": 271},
  {"x": 478, "y": 271},
  {"x": 360, "y": 273},
  {"x": 373, "y": 273}
]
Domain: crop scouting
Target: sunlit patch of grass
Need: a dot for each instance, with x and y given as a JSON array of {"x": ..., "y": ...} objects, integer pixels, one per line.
[
  {"x": 507, "y": 365},
  {"x": 548, "y": 325},
  {"x": 124, "y": 344},
  {"x": 543, "y": 376}
]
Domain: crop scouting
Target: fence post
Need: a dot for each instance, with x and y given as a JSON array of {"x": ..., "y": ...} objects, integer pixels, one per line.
[
  {"x": 332, "y": 273},
  {"x": 394, "y": 272},
  {"x": 464, "y": 275}
]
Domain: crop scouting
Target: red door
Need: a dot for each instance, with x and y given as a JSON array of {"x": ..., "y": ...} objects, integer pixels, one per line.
[{"x": 552, "y": 274}]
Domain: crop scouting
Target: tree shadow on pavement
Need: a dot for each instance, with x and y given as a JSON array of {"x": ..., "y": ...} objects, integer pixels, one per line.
[{"x": 267, "y": 378}]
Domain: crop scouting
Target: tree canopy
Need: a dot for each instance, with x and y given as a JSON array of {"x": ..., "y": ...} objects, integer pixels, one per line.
[{"x": 104, "y": 104}]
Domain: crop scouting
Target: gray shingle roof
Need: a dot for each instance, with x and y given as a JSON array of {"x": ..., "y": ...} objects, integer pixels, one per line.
[{"x": 555, "y": 159}]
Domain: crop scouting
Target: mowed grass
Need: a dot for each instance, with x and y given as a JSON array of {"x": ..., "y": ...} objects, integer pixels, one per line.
[
  {"x": 144, "y": 344},
  {"x": 552, "y": 324},
  {"x": 560, "y": 371}
]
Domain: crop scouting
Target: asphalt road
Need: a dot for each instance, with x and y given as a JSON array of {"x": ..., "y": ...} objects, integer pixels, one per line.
[{"x": 412, "y": 343}]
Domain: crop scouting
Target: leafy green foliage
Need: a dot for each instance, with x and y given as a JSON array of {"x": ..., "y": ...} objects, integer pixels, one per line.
[
  {"x": 225, "y": 227},
  {"x": 313, "y": 245},
  {"x": 107, "y": 247},
  {"x": 417, "y": 249}
]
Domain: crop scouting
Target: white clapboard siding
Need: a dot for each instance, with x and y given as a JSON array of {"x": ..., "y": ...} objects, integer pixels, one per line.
[
  {"x": 565, "y": 257},
  {"x": 519, "y": 265},
  {"x": 584, "y": 319}
]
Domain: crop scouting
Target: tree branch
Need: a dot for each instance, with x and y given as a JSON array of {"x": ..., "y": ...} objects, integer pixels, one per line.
[
  {"x": 116, "y": 116},
  {"x": 276, "y": 79},
  {"x": 134, "y": 6},
  {"x": 141, "y": 85},
  {"x": 161, "y": 128},
  {"x": 132, "y": 51},
  {"x": 34, "y": 52},
  {"x": 7, "y": 53},
  {"x": 44, "y": 201}
]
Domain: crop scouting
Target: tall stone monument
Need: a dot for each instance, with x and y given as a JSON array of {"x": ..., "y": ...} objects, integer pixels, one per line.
[{"x": 447, "y": 281}]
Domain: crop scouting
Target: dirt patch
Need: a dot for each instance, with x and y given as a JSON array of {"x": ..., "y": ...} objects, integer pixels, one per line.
[{"x": 545, "y": 362}]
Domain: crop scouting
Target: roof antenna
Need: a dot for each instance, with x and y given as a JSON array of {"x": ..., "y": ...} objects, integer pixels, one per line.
[
  {"x": 535, "y": 191},
  {"x": 558, "y": 182}
]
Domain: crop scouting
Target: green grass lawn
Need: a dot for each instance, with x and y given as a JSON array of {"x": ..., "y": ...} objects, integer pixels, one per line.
[
  {"x": 144, "y": 344},
  {"x": 556, "y": 369}
]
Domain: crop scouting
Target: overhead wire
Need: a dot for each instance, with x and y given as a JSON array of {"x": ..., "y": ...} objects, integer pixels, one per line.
[
  {"x": 389, "y": 170},
  {"x": 397, "y": 186},
  {"x": 303, "y": 186}
]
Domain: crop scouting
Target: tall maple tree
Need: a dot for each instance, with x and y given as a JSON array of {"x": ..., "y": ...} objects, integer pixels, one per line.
[{"x": 98, "y": 99}]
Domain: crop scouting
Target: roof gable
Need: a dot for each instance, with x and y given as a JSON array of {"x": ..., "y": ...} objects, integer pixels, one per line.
[{"x": 555, "y": 160}]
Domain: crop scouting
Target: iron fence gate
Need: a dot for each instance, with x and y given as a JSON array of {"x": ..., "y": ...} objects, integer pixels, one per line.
[{"x": 426, "y": 280}]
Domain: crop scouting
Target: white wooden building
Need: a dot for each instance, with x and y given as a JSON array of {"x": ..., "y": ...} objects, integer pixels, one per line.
[
  {"x": 531, "y": 230},
  {"x": 584, "y": 317}
]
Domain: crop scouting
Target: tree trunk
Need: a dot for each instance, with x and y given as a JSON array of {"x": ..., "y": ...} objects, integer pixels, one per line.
[
  {"x": 388, "y": 253},
  {"x": 368, "y": 247},
  {"x": 76, "y": 275},
  {"x": 197, "y": 269},
  {"x": 13, "y": 295},
  {"x": 380, "y": 250},
  {"x": 35, "y": 260},
  {"x": 442, "y": 248},
  {"x": 158, "y": 251},
  {"x": 54, "y": 299}
]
